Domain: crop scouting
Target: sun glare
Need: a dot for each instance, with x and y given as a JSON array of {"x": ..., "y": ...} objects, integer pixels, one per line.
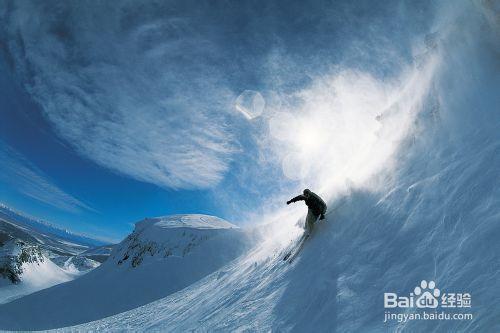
[{"x": 335, "y": 138}]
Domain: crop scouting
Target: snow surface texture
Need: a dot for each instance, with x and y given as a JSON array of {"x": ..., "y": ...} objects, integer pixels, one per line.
[{"x": 162, "y": 255}]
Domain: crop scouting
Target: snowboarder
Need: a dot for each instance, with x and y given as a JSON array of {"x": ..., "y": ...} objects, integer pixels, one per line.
[{"x": 316, "y": 205}]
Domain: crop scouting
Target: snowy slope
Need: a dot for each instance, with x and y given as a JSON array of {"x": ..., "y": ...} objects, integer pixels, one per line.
[
  {"x": 99, "y": 254},
  {"x": 14, "y": 253},
  {"x": 35, "y": 277},
  {"x": 50, "y": 243},
  {"x": 78, "y": 264},
  {"x": 161, "y": 256},
  {"x": 439, "y": 222},
  {"x": 58, "y": 244},
  {"x": 30, "y": 261},
  {"x": 28, "y": 270},
  {"x": 56, "y": 258}
]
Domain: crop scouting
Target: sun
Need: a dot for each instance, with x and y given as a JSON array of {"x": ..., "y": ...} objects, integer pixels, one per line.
[{"x": 309, "y": 138}]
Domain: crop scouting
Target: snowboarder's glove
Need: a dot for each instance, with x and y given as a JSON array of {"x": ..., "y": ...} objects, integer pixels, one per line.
[
  {"x": 322, "y": 217},
  {"x": 289, "y": 202}
]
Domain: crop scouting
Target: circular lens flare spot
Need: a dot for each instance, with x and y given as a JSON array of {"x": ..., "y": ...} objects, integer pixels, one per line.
[{"x": 250, "y": 103}]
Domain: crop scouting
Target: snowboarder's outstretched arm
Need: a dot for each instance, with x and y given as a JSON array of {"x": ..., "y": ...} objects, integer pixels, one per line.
[{"x": 297, "y": 198}]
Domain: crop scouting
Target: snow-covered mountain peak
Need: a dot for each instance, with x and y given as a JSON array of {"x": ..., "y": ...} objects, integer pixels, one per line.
[{"x": 169, "y": 236}]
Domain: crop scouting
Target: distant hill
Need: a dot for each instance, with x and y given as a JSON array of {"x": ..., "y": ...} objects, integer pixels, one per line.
[{"x": 21, "y": 219}]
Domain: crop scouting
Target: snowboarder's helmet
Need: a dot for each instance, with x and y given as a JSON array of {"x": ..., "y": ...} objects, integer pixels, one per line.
[{"x": 307, "y": 191}]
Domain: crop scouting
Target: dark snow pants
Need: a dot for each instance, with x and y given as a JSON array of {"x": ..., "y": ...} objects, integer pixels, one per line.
[{"x": 310, "y": 220}]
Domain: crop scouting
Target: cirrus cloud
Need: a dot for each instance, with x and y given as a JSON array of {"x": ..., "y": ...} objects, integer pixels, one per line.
[
  {"x": 134, "y": 93},
  {"x": 30, "y": 181}
]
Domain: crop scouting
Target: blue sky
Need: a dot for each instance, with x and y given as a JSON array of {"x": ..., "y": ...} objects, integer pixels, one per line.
[
  {"x": 112, "y": 112},
  {"x": 45, "y": 177}
]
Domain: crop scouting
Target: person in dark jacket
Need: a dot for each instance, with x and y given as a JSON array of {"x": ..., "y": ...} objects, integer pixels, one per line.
[{"x": 317, "y": 207}]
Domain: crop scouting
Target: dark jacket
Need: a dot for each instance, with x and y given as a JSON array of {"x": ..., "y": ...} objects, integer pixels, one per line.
[{"x": 313, "y": 202}]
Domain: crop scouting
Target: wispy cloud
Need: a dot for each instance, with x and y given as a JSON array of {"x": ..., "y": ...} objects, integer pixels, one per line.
[
  {"x": 136, "y": 93},
  {"x": 24, "y": 177}
]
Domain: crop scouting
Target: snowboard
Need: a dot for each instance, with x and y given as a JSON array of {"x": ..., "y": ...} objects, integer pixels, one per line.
[{"x": 294, "y": 252}]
